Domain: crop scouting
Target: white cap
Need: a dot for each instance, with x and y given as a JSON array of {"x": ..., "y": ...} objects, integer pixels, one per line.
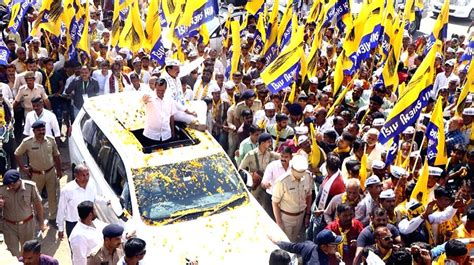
[
  {"x": 99, "y": 59},
  {"x": 123, "y": 50},
  {"x": 450, "y": 62},
  {"x": 468, "y": 112},
  {"x": 469, "y": 98},
  {"x": 302, "y": 139},
  {"x": 299, "y": 163},
  {"x": 378, "y": 164},
  {"x": 378, "y": 122},
  {"x": 435, "y": 171},
  {"x": 92, "y": 21},
  {"x": 454, "y": 78},
  {"x": 308, "y": 109},
  {"x": 372, "y": 180},
  {"x": 327, "y": 89},
  {"x": 35, "y": 39},
  {"x": 254, "y": 58},
  {"x": 258, "y": 82},
  {"x": 398, "y": 172},
  {"x": 229, "y": 85},
  {"x": 409, "y": 130},
  {"x": 387, "y": 194},
  {"x": 414, "y": 154},
  {"x": 314, "y": 80},
  {"x": 136, "y": 60},
  {"x": 157, "y": 70},
  {"x": 214, "y": 87},
  {"x": 172, "y": 62},
  {"x": 439, "y": 55},
  {"x": 118, "y": 58},
  {"x": 449, "y": 49},
  {"x": 358, "y": 83},
  {"x": 300, "y": 130},
  {"x": 460, "y": 50},
  {"x": 269, "y": 106}
]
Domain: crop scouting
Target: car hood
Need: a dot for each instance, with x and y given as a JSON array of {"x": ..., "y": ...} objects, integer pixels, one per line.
[{"x": 237, "y": 236}]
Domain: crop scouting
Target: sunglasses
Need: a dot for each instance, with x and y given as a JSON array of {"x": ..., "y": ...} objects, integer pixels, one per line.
[{"x": 387, "y": 238}]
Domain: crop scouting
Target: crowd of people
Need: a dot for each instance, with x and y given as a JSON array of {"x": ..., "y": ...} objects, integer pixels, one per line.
[{"x": 315, "y": 164}]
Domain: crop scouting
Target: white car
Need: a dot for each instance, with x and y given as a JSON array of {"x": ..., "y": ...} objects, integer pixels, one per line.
[
  {"x": 184, "y": 198},
  {"x": 457, "y": 8}
]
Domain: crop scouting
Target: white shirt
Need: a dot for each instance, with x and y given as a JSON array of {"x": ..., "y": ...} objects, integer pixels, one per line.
[
  {"x": 7, "y": 92},
  {"x": 71, "y": 195},
  {"x": 260, "y": 115},
  {"x": 408, "y": 226},
  {"x": 441, "y": 80},
  {"x": 157, "y": 118},
  {"x": 144, "y": 76},
  {"x": 174, "y": 89},
  {"x": 68, "y": 82},
  {"x": 101, "y": 79},
  {"x": 83, "y": 240},
  {"x": 272, "y": 173},
  {"x": 42, "y": 52},
  {"x": 52, "y": 126},
  {"x": 142, "y": 88}
]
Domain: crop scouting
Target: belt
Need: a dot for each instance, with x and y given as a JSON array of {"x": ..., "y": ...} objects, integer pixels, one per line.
[
  {"x": 20, "y": 222},
  {"x": 42, "y": 172},
  {"x": 291, "y": 214}
]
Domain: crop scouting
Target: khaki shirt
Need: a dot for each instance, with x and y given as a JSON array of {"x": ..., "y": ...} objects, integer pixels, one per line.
[
  {"x": 100, "y": 256},
  {"x": 19, "y": 205},
  {"x": 250, "y": 164},
  {"x": 40, "y": 154},
  {"x": 291, "y": 194},
  {"x": 25, "y": 95},
  {"x": 257, "y": 105}
]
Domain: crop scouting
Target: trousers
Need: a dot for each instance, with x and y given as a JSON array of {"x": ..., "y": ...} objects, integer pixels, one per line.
[
  {"x": 292, "y": 225},
  {"x": 16, "y": 235},
  {"x": 50, "y": 181}
]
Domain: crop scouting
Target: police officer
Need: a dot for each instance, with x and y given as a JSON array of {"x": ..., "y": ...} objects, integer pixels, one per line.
[
  {"x": 43, "y": 156},
  {"x": 256, "y": 161},
  {"x": 20, "y": 201},
  {"x": 111, "y": 251},
  {"x": 292, "y": 197}
]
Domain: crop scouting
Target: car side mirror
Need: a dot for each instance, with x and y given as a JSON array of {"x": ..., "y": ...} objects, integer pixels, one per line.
[{"x": 246, "y": 177}]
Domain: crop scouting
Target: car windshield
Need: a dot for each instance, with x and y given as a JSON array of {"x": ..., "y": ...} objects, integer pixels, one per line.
[{"x": 168, "y": 192}]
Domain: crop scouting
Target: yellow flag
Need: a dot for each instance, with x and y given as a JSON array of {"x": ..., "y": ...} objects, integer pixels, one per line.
[
  {"x": 84, "y": 42},
  {"x": 363, "y": 170},
  {"x": 436, "y": 151},
  {"x": 339, "y": 100},
  {"x": 339, "y": 73},
  {"x": 152, "y": 25},
  {"x": 190, "y": 8},
  {"x": 409, "y": 13},
  {"x": 132, "y": 35},
  {"x": 313, "y": 59},
  {"x": 204, "y": 34},
  {"x": 235, "y": 60},
  {"x": 389, "y": 72},
  {"x": 116, "y": 21},
  {"x": 292, "y": 96},
  {"x": 315, "y": 156},
  {"x": 314, "y": 11},
  {"x": 272, "y": 38},
  {"x": 420, "y": 192},
  {"x": 467, "y": 88},
  {"x": 285, "y": 21},
  {"x": 253, "y": 6},
  {"x": 49, "y": 18}
]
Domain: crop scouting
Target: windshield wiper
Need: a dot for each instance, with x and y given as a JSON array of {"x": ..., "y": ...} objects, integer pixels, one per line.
[
  {"x": 226, "y": 203},
  {"x": 185, "y": 213}
]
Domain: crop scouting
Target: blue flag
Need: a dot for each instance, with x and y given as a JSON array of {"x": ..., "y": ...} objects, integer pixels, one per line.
[
  {"x": 204, "y": 14},
  {"x": 392, "y": 150},
  {"x": 4, "y": 52},
  {"x": 18, "y": 18}
]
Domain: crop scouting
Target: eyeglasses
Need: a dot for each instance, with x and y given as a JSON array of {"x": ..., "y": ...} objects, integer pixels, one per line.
[{"x": 387, "y": 238}]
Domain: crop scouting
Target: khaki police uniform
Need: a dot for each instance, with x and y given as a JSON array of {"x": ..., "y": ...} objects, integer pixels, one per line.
[
  {"x": 25, "y": 95},
  {"x": 40, "y": 155},
  {"x": 101, "y": 255},
  {"x": 257, "y": 105},
  {"x": 18, "y": 214},
  {"x": 290, "y": 194},
  {"x": 255, "y": 161}
]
